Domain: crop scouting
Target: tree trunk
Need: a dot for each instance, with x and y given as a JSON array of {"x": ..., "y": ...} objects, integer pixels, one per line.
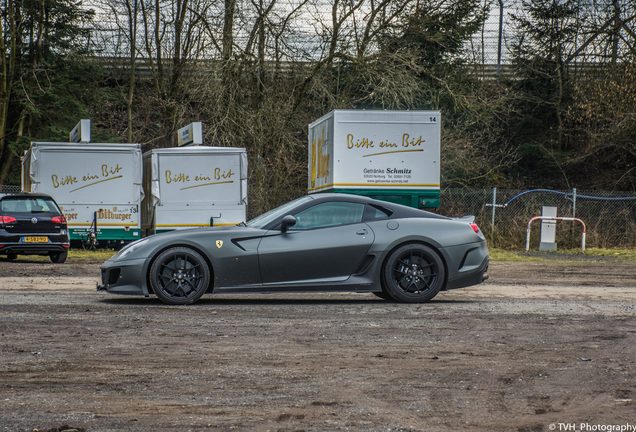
[
  {"x": 617, "y": 29},
  {"x": 132, "y": 28},
  {"x": 261, "y": 51},
  {"x": 8, "y": 48},
  {"x": 7, "y": 163},
  {"x": 227, "y": 42},
  {"x": 228, "y": 25},
  {"x": 157, "y": 34},
  {"x": 178, "y": 55}
]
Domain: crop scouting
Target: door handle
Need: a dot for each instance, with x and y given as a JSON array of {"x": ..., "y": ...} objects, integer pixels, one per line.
[{"x": 362, "y": 232}]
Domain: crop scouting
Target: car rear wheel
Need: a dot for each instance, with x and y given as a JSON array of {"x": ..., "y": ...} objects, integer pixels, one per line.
[
  {"x": 413, "y": 273},
  {"x": 11, "y": 257},
  {"x": 58, "y": 257},
  {"x": 179, "y": 276}
]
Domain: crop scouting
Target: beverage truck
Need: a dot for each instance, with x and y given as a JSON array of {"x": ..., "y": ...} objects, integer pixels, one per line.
[
  {"x": 97, "y": 186},
  {"x": 388, "y": 155},
  {"x": 194, "y": 186}
]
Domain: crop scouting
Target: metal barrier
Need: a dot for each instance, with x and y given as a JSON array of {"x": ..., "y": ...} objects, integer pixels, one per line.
[
  {"x": 549, "y": 218},
  {"x": 610, "y": 216}
]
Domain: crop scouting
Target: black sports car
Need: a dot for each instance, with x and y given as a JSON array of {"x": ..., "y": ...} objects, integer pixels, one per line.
[
  {"x": 322, "y": 242},
  {"x": 32, "y": 224}
]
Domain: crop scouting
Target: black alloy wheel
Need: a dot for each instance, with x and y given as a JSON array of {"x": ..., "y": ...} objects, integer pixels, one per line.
[
  {"x": 413, "y": 273},
  {"x": 382, "y": 295},
  {"x": 179, "y": 276}
]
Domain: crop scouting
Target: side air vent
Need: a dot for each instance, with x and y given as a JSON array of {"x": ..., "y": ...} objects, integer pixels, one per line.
[
  {"x": 113, "y": 276},
  {"x": 366, "y": 263}
]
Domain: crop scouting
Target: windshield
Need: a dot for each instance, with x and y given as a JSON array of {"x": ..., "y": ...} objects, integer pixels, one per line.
[
  {"x": 266, "y": 218},
  {"x": 28, "y": 205}
]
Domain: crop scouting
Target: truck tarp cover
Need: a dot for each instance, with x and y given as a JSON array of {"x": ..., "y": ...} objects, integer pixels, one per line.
[
  {"x": 88, "y": 173},
  {"x": 181, "y": 176}
]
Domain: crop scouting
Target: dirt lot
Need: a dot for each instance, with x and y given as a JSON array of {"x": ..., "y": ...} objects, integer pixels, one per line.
[{"x": 538, "y": 345}]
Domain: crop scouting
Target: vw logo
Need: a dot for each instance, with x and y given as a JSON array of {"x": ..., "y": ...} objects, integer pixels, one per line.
[{"x": 34, "y": 220}]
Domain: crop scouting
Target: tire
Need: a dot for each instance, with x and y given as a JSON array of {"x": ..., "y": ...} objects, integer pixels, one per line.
[
  {"x": 12, "y": 257},
  {"x": 179, "y": 276},
  {"x": 413, "y": 273},
  {"x": 383, "y": 295},
  {"x": 58, "y": 257}
]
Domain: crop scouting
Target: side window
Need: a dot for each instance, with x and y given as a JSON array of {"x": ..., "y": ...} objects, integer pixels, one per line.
[
  {"x": 373, "y": 213},
  {"x": 329, "y": 214}
]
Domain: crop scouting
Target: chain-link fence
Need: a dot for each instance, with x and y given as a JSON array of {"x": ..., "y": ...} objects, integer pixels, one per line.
[
  {"x": 4, "y": 189},
  {"x": 610, "y": 217}
]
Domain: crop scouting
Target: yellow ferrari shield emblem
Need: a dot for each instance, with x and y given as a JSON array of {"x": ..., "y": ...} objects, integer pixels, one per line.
[{"x": 219, "y": 244}]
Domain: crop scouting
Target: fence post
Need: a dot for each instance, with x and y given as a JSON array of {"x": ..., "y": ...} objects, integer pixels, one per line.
[
  {"x": 500, "y": 42},
  {"x": 573, "y": 202},
  {"x": 492, "y": 218}
]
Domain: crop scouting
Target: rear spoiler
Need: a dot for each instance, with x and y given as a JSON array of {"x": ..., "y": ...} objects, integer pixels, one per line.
[{"x": 466, "y": 218}]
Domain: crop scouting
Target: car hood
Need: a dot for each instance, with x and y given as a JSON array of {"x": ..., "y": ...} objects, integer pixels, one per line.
[
  {"x": 235, "y": 229},
  {"x": 142, "y": 248}
]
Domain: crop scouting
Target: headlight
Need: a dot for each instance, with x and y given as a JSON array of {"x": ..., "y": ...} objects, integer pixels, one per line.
[{"x": 129, "y": 249}]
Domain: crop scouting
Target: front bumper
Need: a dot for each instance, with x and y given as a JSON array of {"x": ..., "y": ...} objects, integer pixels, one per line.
[{"x": 124, "y": 277}]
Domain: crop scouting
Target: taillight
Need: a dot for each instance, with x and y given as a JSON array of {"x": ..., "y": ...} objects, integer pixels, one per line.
[
  {"x": 58, "y": 219},
  {"x": 7, "y": 220},
  {"x": 475, "y": 228}
]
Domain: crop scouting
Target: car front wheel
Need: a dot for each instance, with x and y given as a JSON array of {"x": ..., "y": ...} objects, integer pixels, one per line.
[
  {"x": 413, "y": 273},
  {"x": 179, "y": 276},
  {"x": 383, "y": 295}
]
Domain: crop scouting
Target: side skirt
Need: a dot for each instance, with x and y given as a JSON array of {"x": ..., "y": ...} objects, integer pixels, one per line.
[
  {"x": 352, "y": 284},
  {"x": 297, "y": 288}
]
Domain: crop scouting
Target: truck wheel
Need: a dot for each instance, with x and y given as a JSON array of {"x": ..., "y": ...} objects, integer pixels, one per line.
[
  {"x": 179, "y": 276},
  {"x": 58, "y": 257}
]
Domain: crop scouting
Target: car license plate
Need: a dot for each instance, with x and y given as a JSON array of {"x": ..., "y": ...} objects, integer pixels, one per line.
[{"x": 36, "y": 239}]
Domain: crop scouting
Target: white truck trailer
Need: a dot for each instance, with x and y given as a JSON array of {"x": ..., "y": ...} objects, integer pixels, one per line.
[
  {"x": 194, "y": 186},
  {"x": 388, "y": 155},
  {"x": 97, "y": 186}
]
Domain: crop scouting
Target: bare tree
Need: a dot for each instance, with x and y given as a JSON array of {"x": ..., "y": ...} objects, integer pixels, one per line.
[
  {"x": 132, "y": 12},
  {"x": 9, "y": 45}
]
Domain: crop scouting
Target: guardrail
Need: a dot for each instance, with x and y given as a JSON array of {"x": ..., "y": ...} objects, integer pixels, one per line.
[
  {"x": 550, "y": 218},
  {"x": 146, "y": 67}
]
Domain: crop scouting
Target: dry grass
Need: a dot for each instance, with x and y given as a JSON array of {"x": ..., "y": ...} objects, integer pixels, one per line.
[{"x": 573, "y": 255}]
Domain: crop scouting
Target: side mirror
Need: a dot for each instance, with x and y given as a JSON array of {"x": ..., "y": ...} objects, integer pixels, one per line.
[{"x": 286, "y": 222}]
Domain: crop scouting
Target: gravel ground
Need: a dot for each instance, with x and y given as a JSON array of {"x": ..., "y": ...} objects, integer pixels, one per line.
[{"x": 537, "y": 345}]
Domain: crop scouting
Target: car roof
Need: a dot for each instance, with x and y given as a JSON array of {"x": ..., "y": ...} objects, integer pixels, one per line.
[
  {"x": 332, "y": 196},
  {"x": 25, "y": 195},
  {"x": 397, "y": 210}
]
